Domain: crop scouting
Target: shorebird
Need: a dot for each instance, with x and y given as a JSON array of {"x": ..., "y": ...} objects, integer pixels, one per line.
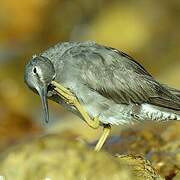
[{"x": 102, "y": 85}]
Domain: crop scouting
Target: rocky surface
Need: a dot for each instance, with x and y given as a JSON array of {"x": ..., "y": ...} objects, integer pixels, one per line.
[{"x": 56, "y": 158}]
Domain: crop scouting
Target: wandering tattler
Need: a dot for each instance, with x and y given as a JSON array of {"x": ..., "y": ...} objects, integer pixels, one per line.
[{"x": 100, "y": 84}]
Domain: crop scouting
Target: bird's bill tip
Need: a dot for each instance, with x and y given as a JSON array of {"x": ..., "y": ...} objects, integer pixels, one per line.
[{"x": 43, "y": 95}]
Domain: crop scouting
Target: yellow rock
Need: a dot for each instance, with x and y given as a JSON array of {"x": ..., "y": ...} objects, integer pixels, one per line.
[{"x": 56, "y": 158}]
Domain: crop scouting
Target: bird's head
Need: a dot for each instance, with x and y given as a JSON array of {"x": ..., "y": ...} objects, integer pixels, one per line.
[{"x": 38, "y": 75}]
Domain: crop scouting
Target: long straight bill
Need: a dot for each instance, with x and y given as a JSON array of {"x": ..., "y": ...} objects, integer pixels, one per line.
[{"x": 43, "y": 96}]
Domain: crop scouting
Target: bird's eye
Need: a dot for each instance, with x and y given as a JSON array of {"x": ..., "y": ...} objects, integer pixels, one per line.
[{"x": 34, "y": 70}]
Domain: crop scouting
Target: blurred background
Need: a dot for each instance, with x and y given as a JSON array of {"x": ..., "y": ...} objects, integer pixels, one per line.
[{"x": 146, "y": 30}]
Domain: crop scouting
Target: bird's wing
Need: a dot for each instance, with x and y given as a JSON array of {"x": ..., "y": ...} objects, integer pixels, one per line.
[
  {"x": 174, "y": 91},
  {"x": 117, "y": 76}
]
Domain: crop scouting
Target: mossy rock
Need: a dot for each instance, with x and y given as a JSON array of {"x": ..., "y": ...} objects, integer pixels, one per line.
[{"x": 56, "y": 158}]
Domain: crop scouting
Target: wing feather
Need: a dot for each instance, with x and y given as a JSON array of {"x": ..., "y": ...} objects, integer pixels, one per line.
[{"x": 119, "y": 77}]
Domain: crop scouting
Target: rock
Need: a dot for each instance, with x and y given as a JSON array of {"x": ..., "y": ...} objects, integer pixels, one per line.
[
  {"x": 53, "y": 157},
  {"x": 157, "y": 142},
  {"x": 141, "y": 168}
]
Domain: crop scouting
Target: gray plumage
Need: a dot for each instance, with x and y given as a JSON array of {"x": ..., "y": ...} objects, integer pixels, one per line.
[{"x": 108, "y": 83}]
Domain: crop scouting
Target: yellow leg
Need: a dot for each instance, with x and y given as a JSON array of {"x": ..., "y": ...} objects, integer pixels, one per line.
[
  {"x": 106, "y": 131},
  {"x": 72, "y": 100}
]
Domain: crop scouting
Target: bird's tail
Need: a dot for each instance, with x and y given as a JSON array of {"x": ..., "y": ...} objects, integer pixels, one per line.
[{"x": 175, "y": 92}]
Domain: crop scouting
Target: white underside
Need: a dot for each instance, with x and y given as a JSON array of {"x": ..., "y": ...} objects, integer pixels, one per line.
[
  {"x": 158, "y": 113},
  {"x": 124, "y": 114}
]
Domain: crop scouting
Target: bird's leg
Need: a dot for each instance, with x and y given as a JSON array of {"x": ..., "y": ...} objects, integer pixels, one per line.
[
  {"x": 72, "y": 100},
  {"x": 106, "y": 131}
]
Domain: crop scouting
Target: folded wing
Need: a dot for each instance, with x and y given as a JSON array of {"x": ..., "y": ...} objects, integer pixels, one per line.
[{"x": 119, "y": 77}]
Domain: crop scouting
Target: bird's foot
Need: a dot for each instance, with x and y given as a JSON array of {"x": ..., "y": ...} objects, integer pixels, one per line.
[
  {"x": 72, "y": 100},
  {"x": 64, "y": 93}
]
